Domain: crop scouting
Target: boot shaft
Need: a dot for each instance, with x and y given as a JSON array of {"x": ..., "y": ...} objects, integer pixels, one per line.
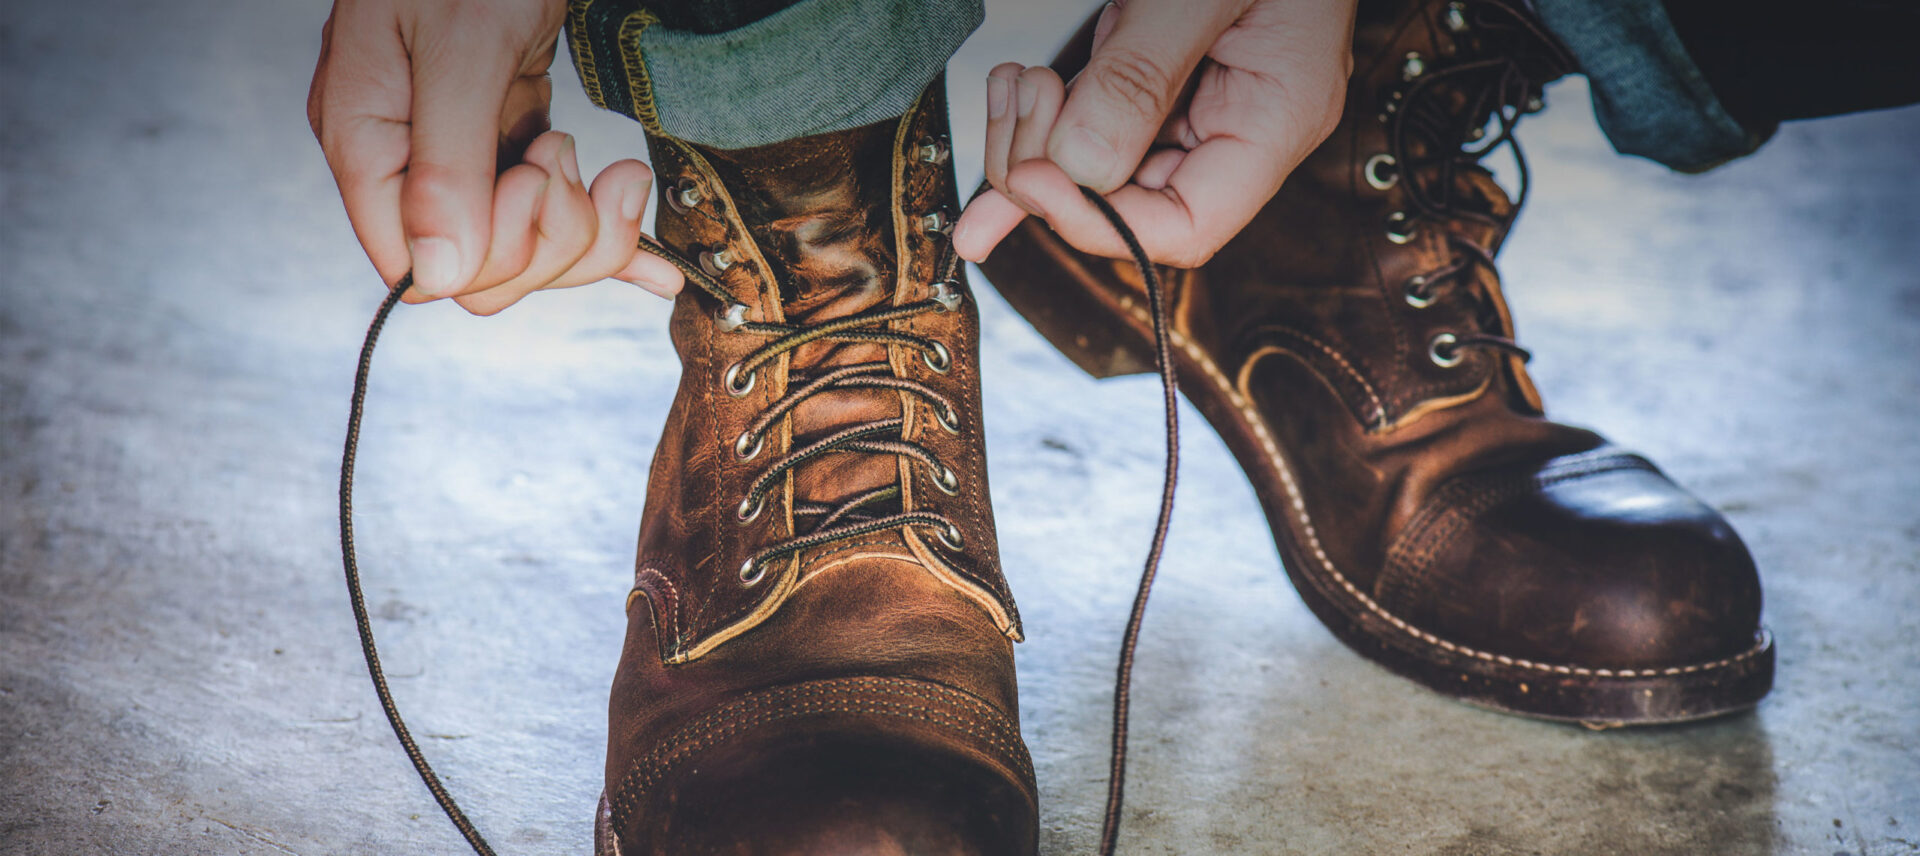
[{"x": 836, "y": 388}]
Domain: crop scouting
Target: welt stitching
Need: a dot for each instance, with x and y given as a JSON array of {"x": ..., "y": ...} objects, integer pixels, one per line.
[
  {"x": 1298, "y": 505},
  {"x": 1379, "y": 409},
  {"x": 673, "y": 592}
]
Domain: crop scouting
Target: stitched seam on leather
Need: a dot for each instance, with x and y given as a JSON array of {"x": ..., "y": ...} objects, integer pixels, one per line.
[
  {"x": 816, "y": 559},
  {"x": 836, "y": 147},
  {"x": 732, "y": 223},
  {"x": 1445, "y": 516},
  {"x": 1298, "y": 504},
  {"x": 930, "y": 185},
  {"x": 923, "y": 690},
  {"x": 673, "y": 592},
  {"x": 728, "y": 720},
  {"x": 1379, "y": 410}
]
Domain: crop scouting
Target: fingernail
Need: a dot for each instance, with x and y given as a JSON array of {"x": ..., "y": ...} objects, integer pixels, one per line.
[
  {"x": 962, "y": 232},
  {"x": 1084, "y": 155},
  {"x": 632, "y": 199},
  {"x": 436, "y": 264},
  {"x": 569, "y": 161},
  {"x": 996, "y": 97},
  {"x": 1029, "y": 94}
]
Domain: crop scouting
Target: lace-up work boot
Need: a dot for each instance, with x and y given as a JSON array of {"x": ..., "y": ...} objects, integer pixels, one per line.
[
  {"x": 1354, "y": 348},
  {"x": 819, "y": 656}
]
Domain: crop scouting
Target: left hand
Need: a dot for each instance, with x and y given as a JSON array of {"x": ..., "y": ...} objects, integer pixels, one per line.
[{"x": 1189, "y": 115}]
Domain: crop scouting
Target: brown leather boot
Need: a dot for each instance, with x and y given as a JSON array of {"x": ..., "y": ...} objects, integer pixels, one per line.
[
  {"x": 1353, "y": 347},
  {"x": 819, "y": 657}
]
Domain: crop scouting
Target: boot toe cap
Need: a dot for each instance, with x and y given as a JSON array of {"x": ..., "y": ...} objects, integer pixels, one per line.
[
  {"x": 1600, "y": 562},
  {"x": 849, "y": 782}
]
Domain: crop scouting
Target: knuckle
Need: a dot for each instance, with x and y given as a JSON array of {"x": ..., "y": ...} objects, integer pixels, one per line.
[{"x": 1136, "y": 79}]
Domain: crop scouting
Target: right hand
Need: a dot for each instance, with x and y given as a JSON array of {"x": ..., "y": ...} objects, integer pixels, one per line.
[
  {"x": 1188, "y": 116},
  {"x": 433, "y": 117}
]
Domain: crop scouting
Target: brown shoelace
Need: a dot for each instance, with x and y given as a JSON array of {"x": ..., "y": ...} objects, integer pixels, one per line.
[
  {"x": 853, "y": 517},
  {"x": 1433, "y": 137}
]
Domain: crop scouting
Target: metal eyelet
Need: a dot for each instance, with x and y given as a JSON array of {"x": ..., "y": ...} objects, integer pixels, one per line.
[
  {"x": 747, "y": 451},
  {"x": 1456, "y": 17},
  {"x": 1416, "y": 292},
  {"x": 1399, "y": 227},
  {"x": 939, "y": 359},
  {"x": 949, "y": 419},
  {"x": 1413, "y": 67},
  {"x": 951, "y": 537},
  {"x": 933, "y": 150},
  {"x": 730, "y": 379},
  {"x": 731, "y": 320},
  {"x": 686, "y": 196},
  {"x": 1445, "y": 351},
  {"x": 937, "y": 223},
  {"x": 716, "y": 261},
  {"x": 752, "y": 572},
  {"x": 1372, "y": 172},
  {"x": 750, "y": 508},
  {"x": 947, "y": 481},
  {"x": 946, "y": 292}
]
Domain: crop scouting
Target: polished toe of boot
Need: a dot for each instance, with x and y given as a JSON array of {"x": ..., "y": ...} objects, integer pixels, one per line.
[
  {"x": 820, "y": 645},
  {"x": 1353, "y": 347}
]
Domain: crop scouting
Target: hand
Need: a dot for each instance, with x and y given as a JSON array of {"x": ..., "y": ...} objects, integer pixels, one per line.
[
  {"x": 423, "y": 108},
  {"x": 1187, "y": 118}
]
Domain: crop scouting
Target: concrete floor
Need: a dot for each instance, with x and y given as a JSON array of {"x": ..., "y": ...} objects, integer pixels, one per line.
[{"x": 180, "y": 305}]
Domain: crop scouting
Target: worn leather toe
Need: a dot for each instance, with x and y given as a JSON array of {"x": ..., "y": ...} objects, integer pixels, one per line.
[
  {"x": 798, "y": 791},
  {"x": 1596, "y": 559}
]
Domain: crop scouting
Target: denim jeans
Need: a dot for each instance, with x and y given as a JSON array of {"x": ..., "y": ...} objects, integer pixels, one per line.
[
  {"x": 811, "y": 67},
  {"x": 738, "y": 73}
]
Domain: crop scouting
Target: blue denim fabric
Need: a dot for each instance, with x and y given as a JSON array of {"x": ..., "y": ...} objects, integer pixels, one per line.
[
  {"x": 815, "y": 67},
  {"x": 1649, "y": 97},
  {"x": 830, "y": 65}
]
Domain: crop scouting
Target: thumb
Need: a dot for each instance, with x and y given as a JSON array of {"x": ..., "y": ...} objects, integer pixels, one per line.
[{"x": 1131, "y": 84}]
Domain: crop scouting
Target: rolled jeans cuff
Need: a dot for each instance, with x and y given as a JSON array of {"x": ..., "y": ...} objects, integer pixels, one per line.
[
  {"x": 1649, "y": 97},
  {"x": 816, "y": 67}
]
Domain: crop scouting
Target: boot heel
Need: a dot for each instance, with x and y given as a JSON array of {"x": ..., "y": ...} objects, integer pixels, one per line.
[{"x": 1072, "y": 299}]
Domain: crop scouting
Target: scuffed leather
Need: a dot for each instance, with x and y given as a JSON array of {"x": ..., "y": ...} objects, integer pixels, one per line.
[
  {"x": 1467, "y": 524},
  {"x": 862, "y": 694}
]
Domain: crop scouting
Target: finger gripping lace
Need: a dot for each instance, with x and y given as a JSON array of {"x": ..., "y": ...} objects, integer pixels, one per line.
[{"x": 850, "y": 518}]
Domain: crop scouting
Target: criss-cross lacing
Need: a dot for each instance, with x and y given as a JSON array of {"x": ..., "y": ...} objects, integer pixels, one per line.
[
  {"x": 865, "y": 512},
  {"x": 852, "y": 517},
  {"x": 1436, "y": 129}
]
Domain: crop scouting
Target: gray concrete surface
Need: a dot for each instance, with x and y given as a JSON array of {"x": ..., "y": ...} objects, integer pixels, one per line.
[{"x": 180, "y": 304}]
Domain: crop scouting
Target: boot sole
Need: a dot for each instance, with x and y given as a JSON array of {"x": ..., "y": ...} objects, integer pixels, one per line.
[{"x": 1108, "y": 334}]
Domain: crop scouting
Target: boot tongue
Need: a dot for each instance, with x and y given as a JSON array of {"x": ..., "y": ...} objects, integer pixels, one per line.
[{"x": 820, "y": 209}]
